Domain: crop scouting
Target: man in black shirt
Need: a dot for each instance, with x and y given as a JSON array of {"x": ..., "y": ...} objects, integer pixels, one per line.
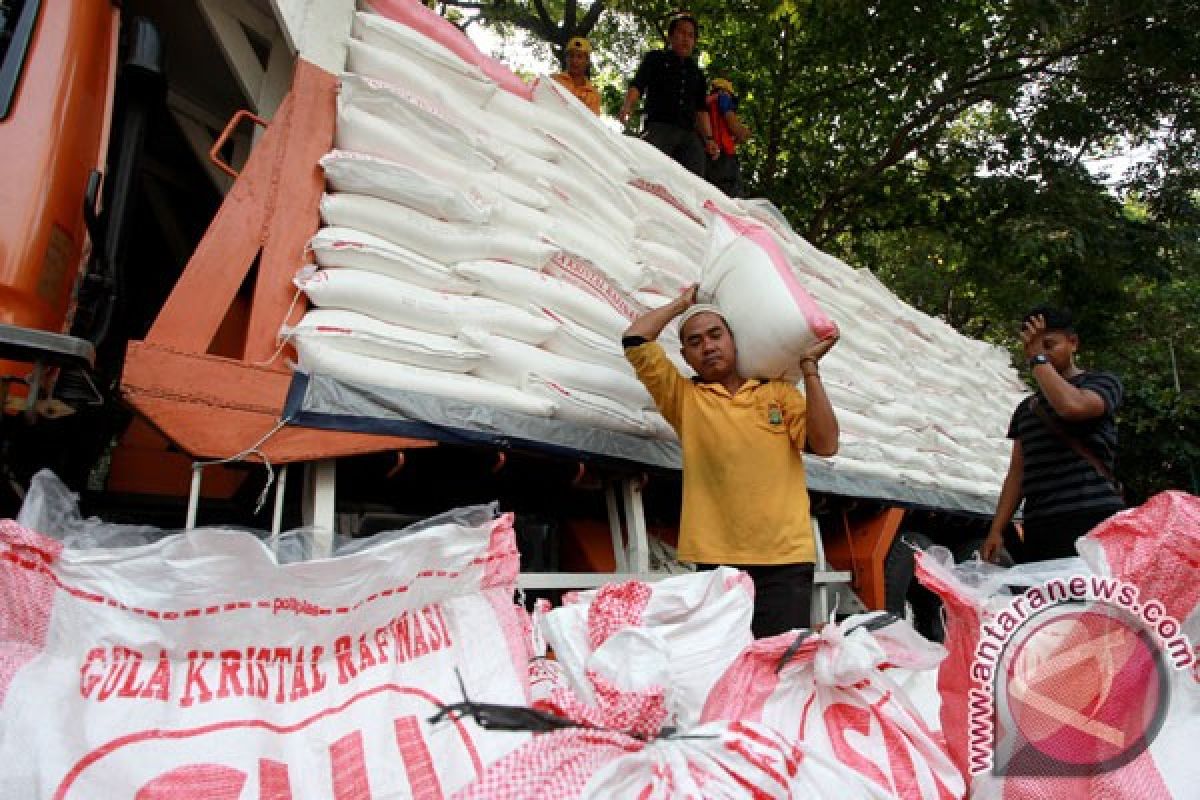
[
  {"x": 675, "y": 89},
  {"x": 1064, "y": 445}
]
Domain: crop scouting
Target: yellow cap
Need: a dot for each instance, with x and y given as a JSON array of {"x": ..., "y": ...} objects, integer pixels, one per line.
[
  {"x": 579, "y": 43},
  {"x": 722, "y": 83}
]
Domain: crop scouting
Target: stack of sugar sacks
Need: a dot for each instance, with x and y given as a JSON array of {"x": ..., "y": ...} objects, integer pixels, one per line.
[
  {"x": 464, "y": 255},
  {"x": 489, "y": 242}
]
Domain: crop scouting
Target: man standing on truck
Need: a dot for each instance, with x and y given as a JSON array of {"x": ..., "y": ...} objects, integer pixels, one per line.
[
  {"x": 673, "y": 83},
  {"x": 1064, "y": 445},
  {"x": 745, "y": 498}
]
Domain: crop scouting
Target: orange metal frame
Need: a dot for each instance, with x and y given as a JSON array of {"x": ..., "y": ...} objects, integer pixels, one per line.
[
  {"x": 209, "y": 376},
  {"x": 861, "y": 546}
]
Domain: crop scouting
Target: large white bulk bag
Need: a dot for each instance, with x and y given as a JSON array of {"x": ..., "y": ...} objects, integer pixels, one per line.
[
  {"x": 658, "y": 222},
  {"x": 383, "y": 120},
  {"x": 402, "y": 303},
  {"x": 580, "y": 343},
  {"x": 667, "y": 259},
  {"x": 403, "y": 106},
  {"x": 528, "y": 288},
  {"x": 458, "y": 89},
  {"x": 891, "y": 373},
  {"x": 359, "y": 130},
  {"x": 510, "y": 362},
  {"x": 901, "y": 413},
  {"x": 402, "y": 41},
  {"x": 557, "y": 113},
  {"x": 454, "y": 387},
  {"x": 586, "y": 408},
  {"x": 199, "y": 667},
  {"x": 445, "y": 242},
  {"x": 864, "y": 425},
  {"x": 774, "y": 321},
  {"x": 405, "y": 44},
  {"x": 429, "y": 23},
  {"x": 840, "y": 367},
  {"x": 360, "y": 173},
  {"x": 660, "y": 428},
  {"x": 345, "y": 247},
  {"x": 584, "y": 190},
  {"x": 847, "y": 396},
  {"x": 576, "y": 236},
  {"x": 657, "y": 172},
  {"x": 358, "y": 333}
]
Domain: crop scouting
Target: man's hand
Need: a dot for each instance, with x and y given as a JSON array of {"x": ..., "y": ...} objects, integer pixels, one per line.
[
  {"x": 651, "y": 324},
  {"x": 631, "y": 98},
  {"x": 713, "y": 150},
  {"x": 992, "y": 546},
  {"x": 687, "y": 298},
  {"x": 816, "y": 351},
  {"x": 1031, "y": 336}
]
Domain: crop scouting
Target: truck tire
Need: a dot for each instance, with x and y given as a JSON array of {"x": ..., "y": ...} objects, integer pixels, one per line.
[{"x": 901, "y": 591}]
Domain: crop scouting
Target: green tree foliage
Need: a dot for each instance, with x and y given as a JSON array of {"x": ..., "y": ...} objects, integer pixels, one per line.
[{"x": 952, "y": 147}]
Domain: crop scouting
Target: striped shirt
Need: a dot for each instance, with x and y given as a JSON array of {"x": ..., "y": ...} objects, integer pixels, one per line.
[{"x": 1056, "y": 479}]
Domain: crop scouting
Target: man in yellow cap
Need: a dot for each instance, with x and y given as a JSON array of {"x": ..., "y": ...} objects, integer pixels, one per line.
[
  {"x": 725, "y": 172},
  {"x": 578, "y": 54}
]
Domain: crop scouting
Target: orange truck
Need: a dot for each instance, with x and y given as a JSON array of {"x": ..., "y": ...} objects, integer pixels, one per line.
[{"x": 146, "y": 256}]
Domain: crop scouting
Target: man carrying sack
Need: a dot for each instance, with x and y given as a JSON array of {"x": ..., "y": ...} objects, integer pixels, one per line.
[{"x": 745, "y": 497}]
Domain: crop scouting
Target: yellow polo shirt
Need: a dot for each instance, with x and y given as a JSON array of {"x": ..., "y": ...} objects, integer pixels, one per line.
[
  {"x": 586, "y": 92},
  {"x": 745, "y": 498}
]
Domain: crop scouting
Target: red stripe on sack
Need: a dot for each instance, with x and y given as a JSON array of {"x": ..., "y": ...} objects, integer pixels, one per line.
[
  {"x": 418, "y": 762},
  {"x": 274, "y": 783},
  {"x": 350, "y": 768}
]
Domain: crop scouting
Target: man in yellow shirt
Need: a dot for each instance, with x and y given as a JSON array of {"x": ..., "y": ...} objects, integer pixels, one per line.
[
  {"x": 745, "y": 498},
  {"x": 576, "y": 79}
]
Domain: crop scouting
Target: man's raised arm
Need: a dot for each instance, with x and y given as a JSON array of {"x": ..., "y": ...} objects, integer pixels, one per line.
[{"x": 650, "y": 325}]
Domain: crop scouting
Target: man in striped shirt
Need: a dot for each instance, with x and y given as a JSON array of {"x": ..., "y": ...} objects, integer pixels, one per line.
[{"x": 1064, "y": 445}]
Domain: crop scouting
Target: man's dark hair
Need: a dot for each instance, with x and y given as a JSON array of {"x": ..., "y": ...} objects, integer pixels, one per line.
[
  {"x": 682, "y": 16},
  {"x": 1057, "y": 319}
]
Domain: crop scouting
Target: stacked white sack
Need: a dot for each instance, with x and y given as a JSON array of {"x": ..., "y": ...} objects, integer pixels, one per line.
[
  {"x": 198, "y": 666},
  {"x": 446, "y": 182}
]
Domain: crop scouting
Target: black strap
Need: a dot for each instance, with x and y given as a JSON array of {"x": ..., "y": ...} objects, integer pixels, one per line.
[{"x": 1077, "y": 446}]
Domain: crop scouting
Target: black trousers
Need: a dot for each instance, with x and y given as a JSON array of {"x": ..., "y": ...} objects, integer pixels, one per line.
[
  {"x": 725, "y": 173},
  {"x": 682, "y": 144},
  {"x": 1054, "y": 537},
  {"x": 782, "y": 596}
]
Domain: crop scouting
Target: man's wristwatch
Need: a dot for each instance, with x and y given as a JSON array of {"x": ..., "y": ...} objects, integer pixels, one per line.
[{"x": 1040, "y": 358}]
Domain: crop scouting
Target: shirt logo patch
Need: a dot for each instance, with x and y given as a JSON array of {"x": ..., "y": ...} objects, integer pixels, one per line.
[{"x": 774, "y": 414}]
